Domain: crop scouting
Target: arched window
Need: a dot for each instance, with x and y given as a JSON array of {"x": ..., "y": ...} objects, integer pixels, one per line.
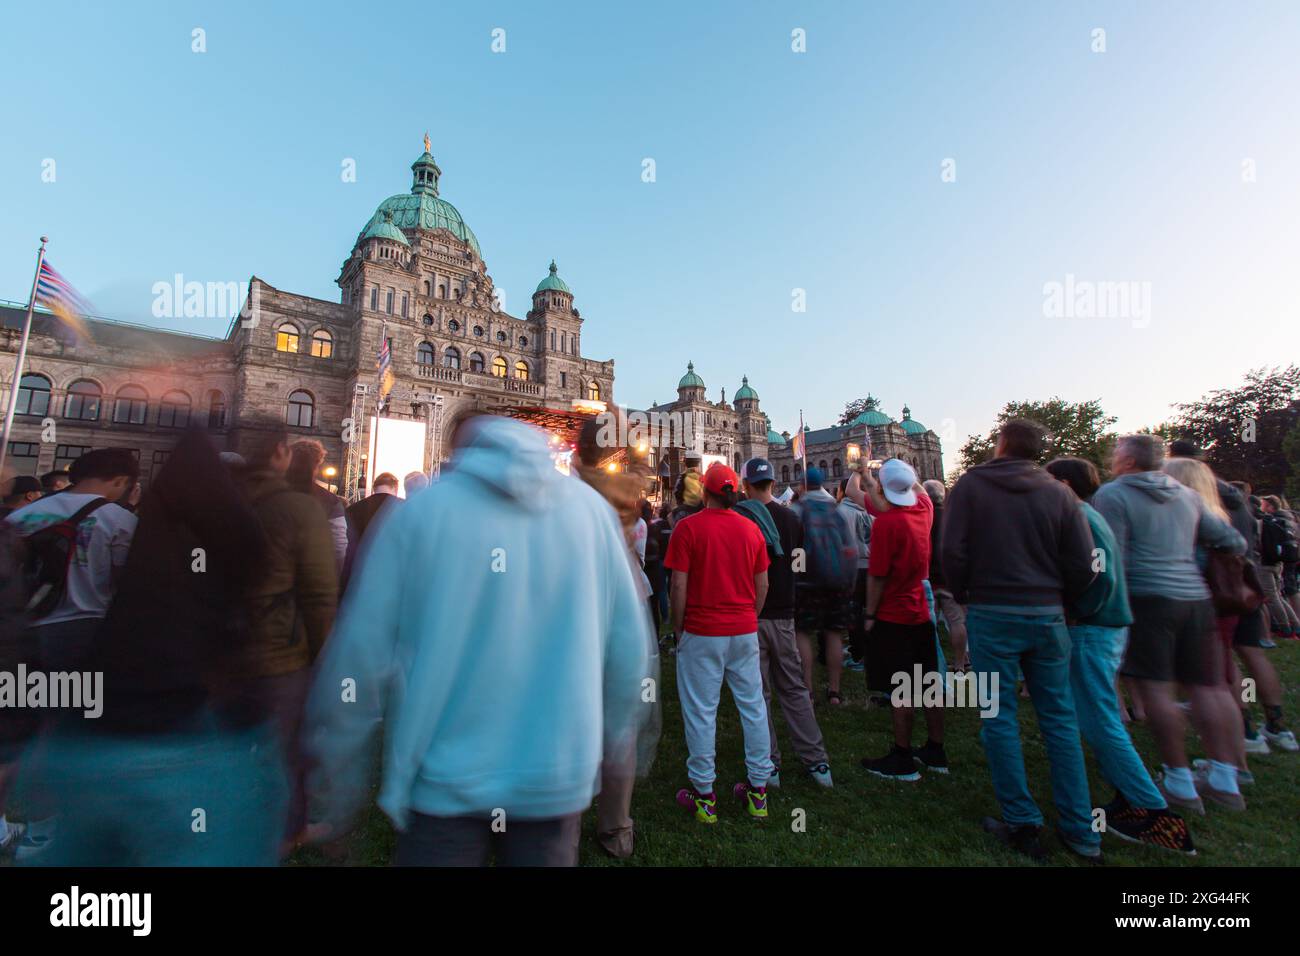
[
  {"x": 453, "y": 325},
  {"x": 523, "y": 341},
  {"x": 301, "y": 411},
  {"x": 322, "y": 344},
  {"x": 426, "y": 286},
  {"x": 478, "y": 331},
  {"x": 501, "y": 337},
  {"x": 593, "y": 391},
  {"x": 835, "y": 468},
  {"x": 822, "y": 465},
  {"x": 442, "y": 292},
  {"x": 798, "y": 470},
  {"x": 521, "y": 371},
  {"x": 499, "y": 367},
  {"x": 428, "y": 320},
  {"x": 33, "y": 395},
  {"x": 174, "y": 410},
  {"x": 785, "y": 474},
  {"x": 451, "y": 358},
  {"x": 424, "y": 354},
  {"x": 82, "y": 403},
  {"x": 476, "y": 362},
  {"x": 131, "y": 405},
  {"x": 216, "y": 410},
  {"x": 286, "y": 337}
]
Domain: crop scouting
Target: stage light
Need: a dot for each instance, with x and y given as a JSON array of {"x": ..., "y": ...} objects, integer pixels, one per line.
[
  {"x": 330, "y": 471},
  {"x": 400, "y": 449}
]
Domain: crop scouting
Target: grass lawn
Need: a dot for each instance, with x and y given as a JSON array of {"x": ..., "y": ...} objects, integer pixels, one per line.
[{"x": 866, "y": 821}]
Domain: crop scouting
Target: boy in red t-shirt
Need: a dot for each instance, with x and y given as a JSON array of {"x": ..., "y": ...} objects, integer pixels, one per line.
[
  {"x": 719, "y": 563},
  {"x": 899, "y": 632}
]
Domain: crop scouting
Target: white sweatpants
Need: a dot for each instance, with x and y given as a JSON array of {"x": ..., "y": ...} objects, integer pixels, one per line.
[{"x": 703, "y": 663}]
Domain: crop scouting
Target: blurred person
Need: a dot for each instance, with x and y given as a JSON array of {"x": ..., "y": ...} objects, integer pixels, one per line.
[
  {"x": 899, "y": 629},
  {"x": 414, "y": 482},
  {"x": 64, "y": 626},
  {"x": 823, "y": 593},
  {"x": 291, "y": 603},
  {"x": 17, "y": 647},
  {"x": 23, "y": 490},
  {"x": 953, "y": 614},
  {"x": 502, "y": 680},
  {"x": 168, "y": 739},
  {"x": 307, "y": 457},
  {"x": 778, "y": 652},
  {"x": 656, "y": 545},
  {"x": 1099, "y": 622},
  {"x": 1158, "y": 524},
  {"x": 858, "y": 524},
  {"x": 1278, "y": 547},
  {"x": 55, "y": 481},
  {"x": 689, "y": 490},
  {"x": 622, "y": 487},
  {"x": 719, "y": 564},
  {"x": 1016, "y": 552}
]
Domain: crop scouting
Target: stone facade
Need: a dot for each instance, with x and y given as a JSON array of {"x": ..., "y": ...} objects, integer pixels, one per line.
[
  {"x": 415, "y": 275},
  {"x": 872, "y": 433}
]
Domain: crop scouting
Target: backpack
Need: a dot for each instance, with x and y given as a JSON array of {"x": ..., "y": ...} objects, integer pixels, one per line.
[
  {"x": 832, "y": 556},
  {"x": 48, "y": 554},
  {"x": 1278, "y": 542}
]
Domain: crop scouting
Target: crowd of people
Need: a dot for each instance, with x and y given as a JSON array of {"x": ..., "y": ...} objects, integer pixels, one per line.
[{"x": 491, "y": 642}]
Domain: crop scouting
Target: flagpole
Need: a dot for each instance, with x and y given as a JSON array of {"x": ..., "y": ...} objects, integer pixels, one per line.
[
  {"x": 22, "y": 357},
  {"x": 803, "y": 452}
]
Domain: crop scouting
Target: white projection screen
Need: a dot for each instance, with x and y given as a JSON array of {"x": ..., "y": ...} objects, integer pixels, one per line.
[{"x": 397, "y": 447}]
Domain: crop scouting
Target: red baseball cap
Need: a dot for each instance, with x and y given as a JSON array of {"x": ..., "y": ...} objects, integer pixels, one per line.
[{"x": 719, "y": 476}]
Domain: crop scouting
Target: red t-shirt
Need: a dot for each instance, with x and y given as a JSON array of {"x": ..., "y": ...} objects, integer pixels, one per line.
[
  {"x": 900, "y": 553},
  {"x": 720, "y": 552}
]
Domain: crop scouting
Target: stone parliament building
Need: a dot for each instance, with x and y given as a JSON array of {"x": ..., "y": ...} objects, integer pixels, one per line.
[{"x": 415, "y": 275}]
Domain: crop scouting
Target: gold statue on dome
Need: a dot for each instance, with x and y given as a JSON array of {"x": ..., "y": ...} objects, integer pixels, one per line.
[{"x": 428, "y": 146}]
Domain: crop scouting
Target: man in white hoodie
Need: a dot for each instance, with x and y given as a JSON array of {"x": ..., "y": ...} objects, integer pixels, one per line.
[{"x": 496, "y": 631}]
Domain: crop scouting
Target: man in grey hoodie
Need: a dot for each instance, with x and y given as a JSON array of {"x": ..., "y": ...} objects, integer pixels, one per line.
[
  {"x": 1159, "y": 523},
  {"x": 1017, "y": 551}
]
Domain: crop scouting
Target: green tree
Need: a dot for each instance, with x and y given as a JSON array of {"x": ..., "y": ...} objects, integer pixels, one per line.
[
  {"x": 1242, "y": 430},
  {"x": 856, "y": 407},
  {"x": 1075, "y": 429},
  {"x": 1291, "y": 449}
]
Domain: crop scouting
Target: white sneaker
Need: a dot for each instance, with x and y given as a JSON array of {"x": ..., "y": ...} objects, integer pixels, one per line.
[
  {"x": 1259, "y": 745},
  {"x": 11, "y": 836},
  {"x": 774, "y": 781},
  {"x": 1201, "y": 768},
  {"x": 1282, "y": 740},
  {"x": 821, "y": 773}
]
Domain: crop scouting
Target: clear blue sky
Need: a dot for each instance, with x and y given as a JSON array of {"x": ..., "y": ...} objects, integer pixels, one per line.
[{"x": 775, "y": 171}]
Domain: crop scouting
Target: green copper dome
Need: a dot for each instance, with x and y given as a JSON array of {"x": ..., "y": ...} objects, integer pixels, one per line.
[
  {"x": 381, "y": 227},
  {"x": 910, "y": 424},
  {"x": 422, "y": 209},
  {"x": 690, "y": 379},
  {"x": 745, "y": 391},
  {"x": 773, "y": 438},
  {"x": 872, "y": 417},
  {"x": 553, "y": 283}
]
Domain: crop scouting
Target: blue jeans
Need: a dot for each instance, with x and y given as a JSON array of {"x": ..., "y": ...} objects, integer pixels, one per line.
[
  {"x": 1095, "y": 656},
  {"x": 1004, "y": 643}
]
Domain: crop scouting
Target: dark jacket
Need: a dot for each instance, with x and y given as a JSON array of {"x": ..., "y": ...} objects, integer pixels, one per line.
[
  {"x": 937, "y": 581},
  {"x": 172, "y": 636},
  {"x": 1243, "y": 522},
  {"x": 1013, "y": 535},
  {"x": 363, "y": 512},
  {"x": 293, "y": 601}
]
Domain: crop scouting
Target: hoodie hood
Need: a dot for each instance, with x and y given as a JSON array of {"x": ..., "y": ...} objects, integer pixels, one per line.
[
  {"x": 510, "y": 457},
  {"x": 1016, "y": 475},
  {"x": 1231, "y": 496},
  {"x": 1156, "y": 484}
]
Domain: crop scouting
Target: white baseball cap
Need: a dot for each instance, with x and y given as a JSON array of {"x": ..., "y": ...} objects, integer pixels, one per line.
[{"x": 897, "y": 479}]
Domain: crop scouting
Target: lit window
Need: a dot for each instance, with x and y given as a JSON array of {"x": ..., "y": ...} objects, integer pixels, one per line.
[
  {"x": 499, "y": 367},
  {"x": 286, "y": 338},
  {"x": 521, "y": 371},
  {"x": 322, "y": 344},
  {"x": 593, "y": 392}
]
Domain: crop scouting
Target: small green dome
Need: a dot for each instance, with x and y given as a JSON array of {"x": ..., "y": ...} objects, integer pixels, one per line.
[
  {"x": 690, "y": 379},
  {"x": 381, "y": 227},
  {"x": 745, "y": 391},
  {"x": 872, "y": 417},
  {"x": 910, "y": 424},
  {"x": 773, "y": 438},
  {"x": 553, "y": 283},
  {"x": 422, "y": 209}
]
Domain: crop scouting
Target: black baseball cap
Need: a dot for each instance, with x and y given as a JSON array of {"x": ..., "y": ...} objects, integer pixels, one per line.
[{"x": 759, "y": 469}]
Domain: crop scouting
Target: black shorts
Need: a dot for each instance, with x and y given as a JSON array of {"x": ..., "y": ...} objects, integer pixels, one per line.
[
  {"x": 1250, "y": 629},
  {"x": 819, "y": 609},
  {"x": 1173, "y": 641},
  {"x": 897, "y": 649}
]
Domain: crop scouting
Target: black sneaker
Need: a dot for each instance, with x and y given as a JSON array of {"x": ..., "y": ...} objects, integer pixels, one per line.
[
  {"x": 1158, "y": 828},
  {"x": 1023, "y": 839},
  {"x": 932, "y": 757},
  {"x": 895, "y": 765}
]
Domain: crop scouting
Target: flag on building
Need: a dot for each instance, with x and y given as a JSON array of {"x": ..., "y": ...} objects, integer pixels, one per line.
[
  {"x": 797, "y": 446},
  {"x": 385, "y": 368},
  {"x": 54, "y": 293}
]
